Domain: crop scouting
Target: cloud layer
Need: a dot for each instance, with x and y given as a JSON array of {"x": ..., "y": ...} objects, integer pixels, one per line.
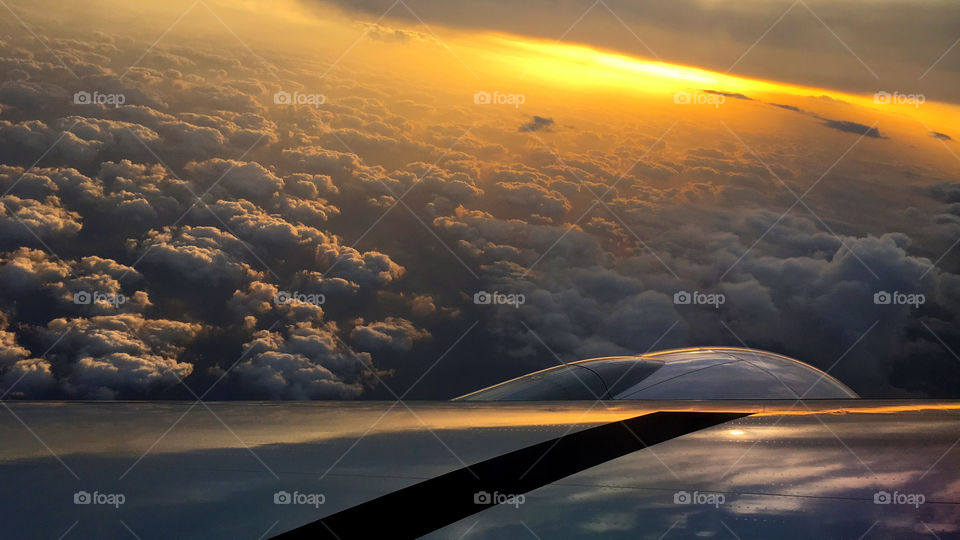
[{"x": 204, "y": 235}]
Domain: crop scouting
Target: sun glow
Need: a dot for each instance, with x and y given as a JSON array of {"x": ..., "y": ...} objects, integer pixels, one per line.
[
  {"x": 582, "y": 65},
  {"x": 451, "y": 62},
  {"x": 524, "y": 62}
]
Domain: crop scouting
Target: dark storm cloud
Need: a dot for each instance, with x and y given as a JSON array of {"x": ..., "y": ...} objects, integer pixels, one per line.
[
  {"x": 538, "y": 123},
  {"x": 787, "y": 107},
  {"x": 854, "y": 127},
  {"x": 733, "y": 95},
  {"x": 839, "y": 125},
  {"x": 947, "y": 192},
  {"x": 395, "y": 35}
]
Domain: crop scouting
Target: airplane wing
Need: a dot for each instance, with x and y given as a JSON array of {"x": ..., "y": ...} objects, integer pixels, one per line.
[{"x": 472, "y": 469}]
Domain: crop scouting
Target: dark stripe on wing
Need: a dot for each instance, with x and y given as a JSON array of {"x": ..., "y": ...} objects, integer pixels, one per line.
[{"x": 451, "y": 496}]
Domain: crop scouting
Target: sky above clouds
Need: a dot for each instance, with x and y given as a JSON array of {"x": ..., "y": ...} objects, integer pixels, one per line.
[
  {"x": 851, "y": 46},
  {"x": 308, "y": 200}
]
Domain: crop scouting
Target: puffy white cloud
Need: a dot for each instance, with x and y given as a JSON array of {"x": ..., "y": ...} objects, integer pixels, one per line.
[
  {"x": 22, "y": 375},
  {"x": 111, "y": 355},
  {"x": 241, "y": 179},
  {"x": 367, "y": 269},
  {"x": 196, "y": 254},
  {"x": 533, "y": 198},
  {"x": 90, "y": 285},
  {"x": 423, "y": 306},
  {"x": 113, "y": 137},
  {"x": 269, "y": 231},
  {"x": 319, "y": 160},
  {"x": 392, "y": 333},
  {"x": 23, "y": 142},
  {"x": 139, "y": 194},
  {"x": 303, "y": 362},
  {"x": 306, "y": 211},
  {"x": 23, "y": 218},
  {"x": 309, "y": 186},
  {"x": 316, "y": 282},
  {"x": 265, "y": 301},
  {"x": 19, "y": 92}
]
